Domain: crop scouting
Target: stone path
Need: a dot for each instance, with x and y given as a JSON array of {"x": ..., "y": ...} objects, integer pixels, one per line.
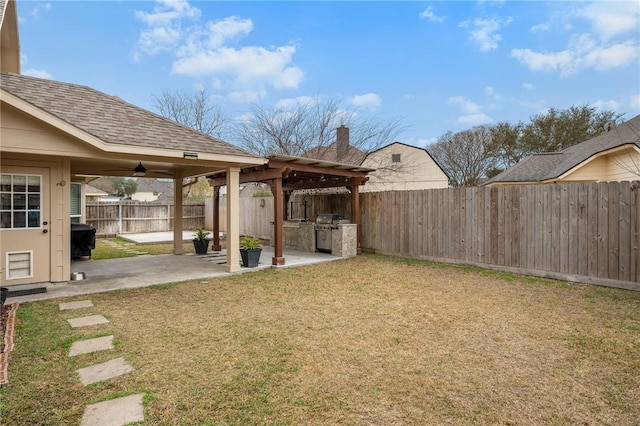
[
  {"x": 115, "y": 412},
  {"x": 91, "y": 345},
  {"x": 87, "y": 321}
]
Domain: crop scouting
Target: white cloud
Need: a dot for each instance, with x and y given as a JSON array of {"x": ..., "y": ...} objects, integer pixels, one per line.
[
  {"x": 474, "y": 119},
  {"x": 467, "y": 106},
  {"x": 582, "y": 52},
  {"x": 38, "y": 73},
  {"x": 430, "y": 15},
  {"x": 610, "y": 39},
  {"x": 167, "y": 11},
  {"x": 612, "y": 18},
  {"x": 35, "y": 11},
  {"x": 539, "y": 28},
  {"x": 528, "y": 86},
  {"x": 288, "y": 103},
  {"x": 607, "y": 105},
  {"x": 205, "y": 50},
  {"x": 485, "y": 32},
  {"x": 369, "y": 100},
  {"x": 634, "y": 101},
  {"x": 472, "y": 114}
]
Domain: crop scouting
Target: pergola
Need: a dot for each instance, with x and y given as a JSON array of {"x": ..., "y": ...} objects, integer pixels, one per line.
[{"x": 286, "y": 174}]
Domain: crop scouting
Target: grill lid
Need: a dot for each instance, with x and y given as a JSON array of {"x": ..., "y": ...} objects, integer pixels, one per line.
[{"x": 328, "y": 218}]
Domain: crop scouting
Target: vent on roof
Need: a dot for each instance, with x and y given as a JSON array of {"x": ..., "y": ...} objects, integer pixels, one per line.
[{"x": 609, "y": 125}]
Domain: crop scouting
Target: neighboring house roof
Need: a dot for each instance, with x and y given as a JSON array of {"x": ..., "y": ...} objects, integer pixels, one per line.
[
  {"x": 409, "y": 146},
  {"x": 547, "y": 166},
  {"x": 104, "y": 184},
  {"x": 111, "y": 119},
  {"x": 330, "y": 153},
  {"x": 156, "y": 186},
  {"x": 90, "y": 191}
]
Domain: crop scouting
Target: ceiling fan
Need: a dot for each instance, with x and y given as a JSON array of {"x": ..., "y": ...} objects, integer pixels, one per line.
[{"x": 141, "y": 171}]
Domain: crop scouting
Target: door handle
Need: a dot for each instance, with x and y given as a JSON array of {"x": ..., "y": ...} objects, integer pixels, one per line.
[{"x": 44, "y": 231}]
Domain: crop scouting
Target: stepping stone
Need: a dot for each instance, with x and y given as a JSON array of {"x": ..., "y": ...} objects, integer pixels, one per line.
[
  {"x": 87, "y": 321},
  {"x": 105, "y": 371},
  {"x": 91, "y": 345},
  {"x": 115, "y": 412},
  {"x": 76, "y": 305}
]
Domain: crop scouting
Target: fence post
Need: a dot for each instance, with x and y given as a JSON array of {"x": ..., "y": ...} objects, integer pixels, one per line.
[
  {"x": 168, "y": 227},
  {"x": 120, "y": 218}
]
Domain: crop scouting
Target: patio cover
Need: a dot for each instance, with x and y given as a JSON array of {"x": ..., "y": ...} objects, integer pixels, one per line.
[{"x": 286, "y": 174}]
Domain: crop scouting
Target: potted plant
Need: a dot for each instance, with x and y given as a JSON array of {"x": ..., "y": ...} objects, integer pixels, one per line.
[
  {"x": 250, "y": 250},
  {"x": 201, "y": 241}
]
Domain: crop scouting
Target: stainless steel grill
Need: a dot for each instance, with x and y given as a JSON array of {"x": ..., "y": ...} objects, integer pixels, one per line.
[{"x": 325, "y": 223}]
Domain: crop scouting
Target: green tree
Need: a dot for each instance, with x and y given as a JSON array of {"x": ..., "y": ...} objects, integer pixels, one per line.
[
  {"x": 560, "y": 129},
  {"x": 125, "y": 186}
]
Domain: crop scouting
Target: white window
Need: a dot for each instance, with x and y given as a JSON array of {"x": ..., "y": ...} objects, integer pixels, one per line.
[
  {"x": 20, "y": 201},
  {"x": 76, "y": 202}
]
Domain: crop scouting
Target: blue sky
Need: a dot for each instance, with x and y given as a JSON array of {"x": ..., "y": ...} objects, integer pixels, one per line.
[{"x": 441, "y": 66}]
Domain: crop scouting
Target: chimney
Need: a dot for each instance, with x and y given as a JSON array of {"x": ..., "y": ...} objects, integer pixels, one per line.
[{"x": 342, "y": 143}]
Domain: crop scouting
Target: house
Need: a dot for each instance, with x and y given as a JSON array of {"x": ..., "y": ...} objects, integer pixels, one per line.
[
  {"x": 398, "y": 166},
  {"x": 340, "y": 151},
  {"x": 150, "y": 190},
  {"x": 93, "y": 194},
  {"x": 613, "y": 155},
  {"x": 56, "y": 136},
  {"x": 402, "y": 167}
]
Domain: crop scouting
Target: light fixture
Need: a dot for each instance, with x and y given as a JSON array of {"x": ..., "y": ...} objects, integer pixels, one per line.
[
  {"x": 190, "y": 155},
  {"x": 140, "y": 170}
]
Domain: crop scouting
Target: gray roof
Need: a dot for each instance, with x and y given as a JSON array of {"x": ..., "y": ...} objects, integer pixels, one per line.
[
  {"x": 111, "y": 119},
  {"x": 546, "y": 166}
]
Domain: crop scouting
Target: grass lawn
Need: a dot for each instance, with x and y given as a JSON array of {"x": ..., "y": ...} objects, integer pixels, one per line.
[
  {"x": 112, "y": 248},
  {"x": 370, "y": 340}
]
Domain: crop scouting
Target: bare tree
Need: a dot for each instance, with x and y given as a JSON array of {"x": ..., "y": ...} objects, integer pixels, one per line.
[
  {"x": 197, "y": 111},
  {"x": 467, "y": 157},
  {"x": 299, "y": 128}
]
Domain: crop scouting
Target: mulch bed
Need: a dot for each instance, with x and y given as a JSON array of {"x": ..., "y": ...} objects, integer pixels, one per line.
[{"x": 7, "y": 327}]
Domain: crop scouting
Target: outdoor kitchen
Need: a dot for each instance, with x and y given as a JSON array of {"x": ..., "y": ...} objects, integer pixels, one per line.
[{"x": 328, "y": 233}]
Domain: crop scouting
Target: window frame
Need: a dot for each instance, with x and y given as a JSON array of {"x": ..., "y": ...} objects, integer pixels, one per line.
[{"x": 27, "y": 201}]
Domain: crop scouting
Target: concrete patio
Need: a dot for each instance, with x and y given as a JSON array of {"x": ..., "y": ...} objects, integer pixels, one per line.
[{"x": 147, "y": 270}]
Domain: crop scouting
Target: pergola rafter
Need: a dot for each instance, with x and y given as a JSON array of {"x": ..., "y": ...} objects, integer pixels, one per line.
[{"x": 285, "y": 174}]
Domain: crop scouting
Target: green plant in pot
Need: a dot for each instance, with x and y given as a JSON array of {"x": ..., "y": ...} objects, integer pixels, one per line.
[
  {"x": 250, "y": 250},
  {"x": 201, "y": 241}
]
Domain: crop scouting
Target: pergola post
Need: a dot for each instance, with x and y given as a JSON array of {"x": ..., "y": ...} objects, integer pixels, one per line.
[
  {"x": 233, "y": 219},
  {"x": 355, "y": 213},
  {"x": 216, "y": 219},
  {"x": 177, "y": 216},
  {"x": 278, "y": 204}
]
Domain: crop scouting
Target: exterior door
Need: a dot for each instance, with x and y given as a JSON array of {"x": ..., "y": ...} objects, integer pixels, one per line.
[{"x": 24, "y": 225}]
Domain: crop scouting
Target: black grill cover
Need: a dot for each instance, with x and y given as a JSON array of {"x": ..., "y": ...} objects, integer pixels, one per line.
[{"x": 83, "y": 240}]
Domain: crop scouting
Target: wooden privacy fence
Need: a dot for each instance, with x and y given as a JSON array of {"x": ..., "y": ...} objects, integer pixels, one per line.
[
  {"x": 129, "y": 217},
  {"x": 256, "y": 216},
  {"x": 586, "y": 232}
]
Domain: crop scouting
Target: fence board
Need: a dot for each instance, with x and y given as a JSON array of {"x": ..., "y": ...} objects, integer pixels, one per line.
[{"x": 577, "y": 230}]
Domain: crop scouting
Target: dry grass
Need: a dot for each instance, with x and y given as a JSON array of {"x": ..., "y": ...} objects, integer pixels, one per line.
[{"x": 370, "y": 340}]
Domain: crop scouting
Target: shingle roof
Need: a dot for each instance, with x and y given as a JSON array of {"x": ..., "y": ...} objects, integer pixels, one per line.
[
  {"x": 330, "y": 153},
  {"x": 111, "y": 119},
  {"x": 541, "y": 167}
]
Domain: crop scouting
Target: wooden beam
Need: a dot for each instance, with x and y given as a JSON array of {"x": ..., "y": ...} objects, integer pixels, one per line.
[
  {"x": 311, "y": 168},
  {"x": 325, "y": 184},
  {"x": 278, "y": 219},
  {"x": 254, "y": 176},
  {"x": 355, "y": 213}
]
